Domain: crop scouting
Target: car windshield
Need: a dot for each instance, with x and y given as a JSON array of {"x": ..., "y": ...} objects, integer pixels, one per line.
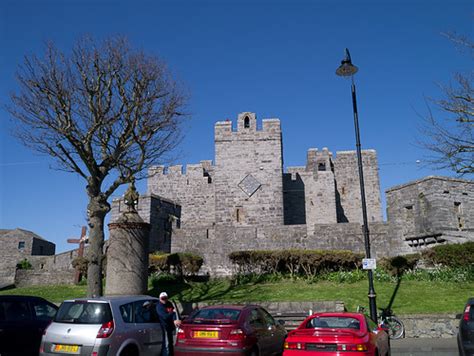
[
  {"x": 215, "y": 314},
  {"x": 333, "y": 322},
  {"x": 83, "y": 312}
]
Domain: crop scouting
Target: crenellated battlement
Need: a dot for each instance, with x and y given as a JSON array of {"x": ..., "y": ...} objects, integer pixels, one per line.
[
  {"x": 199, "y": 170},
  {"x": 318, "y": 161},
  {"x": 246, "y": 184},
  {"x": 247, "y": 127}
]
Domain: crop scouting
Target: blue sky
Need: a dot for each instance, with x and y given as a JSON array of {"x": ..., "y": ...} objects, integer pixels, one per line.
[{"x": 275, "y": 58}]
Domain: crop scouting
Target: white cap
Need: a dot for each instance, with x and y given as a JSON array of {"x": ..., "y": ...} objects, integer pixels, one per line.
[{"x": 163, "y": 295}]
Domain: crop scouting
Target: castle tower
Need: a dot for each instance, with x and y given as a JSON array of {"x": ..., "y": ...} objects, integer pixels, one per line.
[
  {"x": 248, "y": 172},
  {"x": 348, "y": 186}
]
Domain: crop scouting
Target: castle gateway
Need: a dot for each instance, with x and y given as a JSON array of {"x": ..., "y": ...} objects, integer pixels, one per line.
[{"x": 245, "y": 201}]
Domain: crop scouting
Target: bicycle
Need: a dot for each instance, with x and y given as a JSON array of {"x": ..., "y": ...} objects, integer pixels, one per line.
[{"x": 389, "y": 321}]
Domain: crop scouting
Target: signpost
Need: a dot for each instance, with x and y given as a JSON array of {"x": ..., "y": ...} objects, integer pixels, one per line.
[{"x": 369, "y": 263}]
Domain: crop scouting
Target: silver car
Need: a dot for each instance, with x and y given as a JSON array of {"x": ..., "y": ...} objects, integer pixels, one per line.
[{"x": 121, "y": 325}]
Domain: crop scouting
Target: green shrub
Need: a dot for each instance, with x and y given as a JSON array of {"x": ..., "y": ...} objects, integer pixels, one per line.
[
  {"x": 187, "y": 264},
  {"x": 295, "y": 263},
  {"x": 158, "y": 262},
  {"x": 24, "y": 264},
  {"x": 451, "y": 255},
  {"x": 398, "y": 265},
  {"x": 380, "y": 275},
  {"x": 442, "y": 274},
  {"x": 81, "y": 263},
  {"x": 157, "y": 279},
  {"x": 252, "y": 278},
  {"x": 182, "y": 264},
  {"x": 345, "y": 276}
]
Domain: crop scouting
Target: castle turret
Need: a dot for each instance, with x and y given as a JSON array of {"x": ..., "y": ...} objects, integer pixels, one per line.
[
  {"x": 249, "y": 172},
  {"x": 348, "y": 186}
]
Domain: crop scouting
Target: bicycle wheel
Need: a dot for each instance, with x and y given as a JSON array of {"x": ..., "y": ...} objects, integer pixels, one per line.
[{"x": 396, "y": 329}]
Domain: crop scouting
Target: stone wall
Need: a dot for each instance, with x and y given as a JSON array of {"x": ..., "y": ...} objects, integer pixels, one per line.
[
  {"x": 7, "y": 270},
  {"x": 17, "y": 245},
  {"x": 60, "y": 262},
  {"x": 348, "y": 186},
  {"x": 246, "y": 187},
  {"x": 430, "y": 326},
  {"x": 159, "y": 212},
  {"x": 25, "y": 278},
  {"x": 193, "y": 190},
  {"x": 294, "y": 199},
  {"x": 431, "y": 210},
  {"x": 278, "y": 308},
  {"x": 248, "y": 173},
  {"x": 215, "y": 243}
]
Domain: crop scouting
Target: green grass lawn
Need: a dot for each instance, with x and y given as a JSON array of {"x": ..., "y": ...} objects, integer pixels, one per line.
[{"x": 412, "y": 296}]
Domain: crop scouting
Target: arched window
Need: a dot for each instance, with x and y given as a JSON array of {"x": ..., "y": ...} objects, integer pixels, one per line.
[{"x": 246, "y": 122}]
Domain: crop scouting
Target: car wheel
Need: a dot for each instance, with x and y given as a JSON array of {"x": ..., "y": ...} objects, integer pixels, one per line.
[{"x": 129, "y": 351}]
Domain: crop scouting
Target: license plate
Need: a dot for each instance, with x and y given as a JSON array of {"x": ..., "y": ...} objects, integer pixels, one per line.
[
  {"x": 206, "y": 334},
  {"x": 66, "y": 348}
]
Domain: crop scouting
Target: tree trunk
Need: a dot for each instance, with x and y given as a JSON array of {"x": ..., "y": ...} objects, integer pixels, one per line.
[{"x": 97, "y": 209}]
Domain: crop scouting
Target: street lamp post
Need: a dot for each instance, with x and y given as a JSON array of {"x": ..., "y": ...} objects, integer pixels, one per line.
[{"x": 347, "y": 69}]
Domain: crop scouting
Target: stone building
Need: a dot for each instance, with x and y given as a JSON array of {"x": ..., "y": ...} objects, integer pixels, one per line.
[
  {"x": 19, "y": 244},
  {"x": 47, "y": 267},
  {"x": 430, "y": 211},
  {"x": 245, "y": 199}
]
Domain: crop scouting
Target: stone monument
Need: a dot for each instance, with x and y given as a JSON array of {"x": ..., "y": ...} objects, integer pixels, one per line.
[{"x": 127, "y": 255}]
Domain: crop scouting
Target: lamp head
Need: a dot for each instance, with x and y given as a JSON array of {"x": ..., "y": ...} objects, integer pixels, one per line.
[{"x": 346, "y": 69}]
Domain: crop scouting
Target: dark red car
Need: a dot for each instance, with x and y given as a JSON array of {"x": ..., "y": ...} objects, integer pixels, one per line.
[
  {"x": 466, "y": 330},
  {"x": 347, "y": 334},
  {"x": 230, "y": 330}
]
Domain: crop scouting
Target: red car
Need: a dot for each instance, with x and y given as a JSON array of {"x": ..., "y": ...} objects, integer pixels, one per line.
[
  {"x": 230, "y": 330},
  {"x": 343, "y": 334}
]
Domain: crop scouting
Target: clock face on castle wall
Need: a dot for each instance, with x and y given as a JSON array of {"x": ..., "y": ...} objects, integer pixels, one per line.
[{"x": 249, "y": 185}]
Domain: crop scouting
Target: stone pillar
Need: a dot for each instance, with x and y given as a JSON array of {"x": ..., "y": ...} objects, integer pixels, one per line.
[{"x": 127, "y": 255}]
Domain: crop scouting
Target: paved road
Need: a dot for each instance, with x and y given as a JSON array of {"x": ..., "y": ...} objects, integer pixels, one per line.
[{"x": 423, "y": 347}]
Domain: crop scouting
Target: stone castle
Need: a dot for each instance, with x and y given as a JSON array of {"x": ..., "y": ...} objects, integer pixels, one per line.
[{"x": 245, "y": 200}]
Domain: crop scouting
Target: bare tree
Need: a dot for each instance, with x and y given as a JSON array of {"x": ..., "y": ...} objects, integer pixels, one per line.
[
  {"x": 448, "y": 135},
  {"x": 104, "y": 111}
]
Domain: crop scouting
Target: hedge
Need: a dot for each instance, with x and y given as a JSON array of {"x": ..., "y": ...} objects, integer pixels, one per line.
[
  {"x": 451, "y": 255},
  {"x": 307, "y": 263},
  {"x": 182, "y": 264}
]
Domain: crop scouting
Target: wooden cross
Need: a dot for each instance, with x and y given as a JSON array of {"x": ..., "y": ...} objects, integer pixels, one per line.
[{"x": 80, "y": 252}]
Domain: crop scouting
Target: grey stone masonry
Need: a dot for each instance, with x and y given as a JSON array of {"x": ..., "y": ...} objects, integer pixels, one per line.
[
  {"x": 214, "y": 244},
  {"x": 127, "y": 255},
  {"x": 159, "y": 212},
  {"x": 430, "y": 326},
  {"x": 246, "y": 185},
  {"x": 248, "y": 174},
  {"x": 244, "y": 200},
  {"x": 348, "y": 186},
  {"x": 431, "y": 210},
  {"x": 19, "y": 244},
  {"x": 193, "y": 190}
]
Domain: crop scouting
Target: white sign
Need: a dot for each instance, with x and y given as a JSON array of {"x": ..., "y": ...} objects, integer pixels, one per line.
[{"x": 369, "y": 263}]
